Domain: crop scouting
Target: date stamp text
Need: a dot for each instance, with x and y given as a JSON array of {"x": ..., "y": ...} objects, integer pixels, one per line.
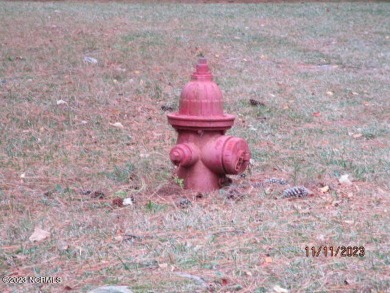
[{"x": 333, "y": 251}]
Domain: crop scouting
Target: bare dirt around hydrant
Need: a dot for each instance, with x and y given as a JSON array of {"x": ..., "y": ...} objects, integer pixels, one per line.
[{"x": 87, "y": 191}]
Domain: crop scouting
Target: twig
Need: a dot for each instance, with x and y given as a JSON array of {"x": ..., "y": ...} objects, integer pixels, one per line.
[{"x": 197, "y": 279}]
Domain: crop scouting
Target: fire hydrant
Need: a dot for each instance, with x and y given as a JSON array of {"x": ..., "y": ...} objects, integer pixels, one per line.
[{"x": 203, "y": 154}]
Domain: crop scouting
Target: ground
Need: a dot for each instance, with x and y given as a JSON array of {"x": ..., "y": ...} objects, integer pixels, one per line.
[{"x": 84, "y": 93}]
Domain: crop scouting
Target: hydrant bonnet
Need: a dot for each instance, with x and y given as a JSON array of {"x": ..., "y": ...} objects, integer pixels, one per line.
[{"x": 201, "y": 105}]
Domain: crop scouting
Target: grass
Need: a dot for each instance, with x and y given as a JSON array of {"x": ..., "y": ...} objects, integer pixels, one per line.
[{"x": 322, "y": 73}]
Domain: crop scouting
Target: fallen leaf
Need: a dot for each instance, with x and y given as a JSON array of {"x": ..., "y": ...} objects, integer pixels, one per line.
[
  {"x": 279, "y": 289},
  {"x": 224, "y": 281},
  {"x": 62, "y": 245},
  {"x": 329, "y": 93},
  {"x": 90, "y": 60},
  {"x": 316, "y": 114},
  {"x": 98, "y": 195},
  {"x": 345, "y": 180},
  {"x": 254, "y": 102},
  {"x": 39, "y": 235},
  {"x": 117, "y": 124},
  {"x": 349, "y": 222},
  {"x": 357, "y": 135},
  {"x": 61, "y": 102},
  {"x": 324, "y": 189},
  {"x": 127, "y": 201},
  {"x": 20, "y": 257},
  {"x": 268, "y": 259},
  {"x": 117, "y": 202},
  {"x": 118, "y": 238},
  {"x": 162, "y": 265},
  {"x": 167, "y": 108},
  {"x": 336, "y": 203}
]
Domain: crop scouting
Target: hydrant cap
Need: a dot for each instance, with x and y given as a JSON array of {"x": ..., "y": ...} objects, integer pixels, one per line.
[
  {"x": 201, "y": 105},
  {"x": 202, "y": 71}
]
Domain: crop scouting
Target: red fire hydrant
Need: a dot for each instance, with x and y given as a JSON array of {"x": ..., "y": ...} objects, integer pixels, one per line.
[{"x": 203, "y": 154}]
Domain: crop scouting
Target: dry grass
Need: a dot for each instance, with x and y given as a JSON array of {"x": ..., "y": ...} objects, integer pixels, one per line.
[{"x": 322, "y": 74}]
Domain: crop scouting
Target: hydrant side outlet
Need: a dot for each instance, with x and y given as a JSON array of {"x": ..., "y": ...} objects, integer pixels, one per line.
[{"x": 203, "y": 154}]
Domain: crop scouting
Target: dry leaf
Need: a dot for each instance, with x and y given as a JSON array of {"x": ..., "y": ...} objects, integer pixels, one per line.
[
  {"x": 62, "y": 245},
  {"x": 90, "y": 60},
  {"x": 268, "y": 259},
  {"x": 162, "y": 265},
  {"x": 316, "y": 114},
  {"x": 329, "y": 93},
  {"x": 357, "y": 135},
  {"x": 61, "y": 102},
  {"x": 117, "y": 202},
  {"x": 279, "y": 289},
  {"x": 118, "y": 238},
  {"x": 336, "y": 203},
  {"x": 224, "y": 281},
  {"x": 324, "y": 189},
  {"x": 345, "y": 180},
  {"x": 127, "y": 201},
  {"x": 117, "y": 124},
  {"x": 39, "y": 235}
]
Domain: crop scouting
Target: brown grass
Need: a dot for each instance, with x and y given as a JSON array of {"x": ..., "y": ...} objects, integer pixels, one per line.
[{"x": 321, "y": 74}]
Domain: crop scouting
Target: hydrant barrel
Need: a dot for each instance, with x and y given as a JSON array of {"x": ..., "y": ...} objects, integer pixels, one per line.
[{"x": 203, "y": 154}]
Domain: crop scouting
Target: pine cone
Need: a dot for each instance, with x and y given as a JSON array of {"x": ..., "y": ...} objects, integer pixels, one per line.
[
  {"x": 254, "y": 102},
  {"x": 184, "y": 203},
  {"x": 296, "y": 191}
]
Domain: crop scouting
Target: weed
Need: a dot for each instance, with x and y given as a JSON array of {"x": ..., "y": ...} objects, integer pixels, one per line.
[
  {"x": 121, "y": 173},
  {"x": 154, "y": 207},
  {"x": 179, "y": 181}
]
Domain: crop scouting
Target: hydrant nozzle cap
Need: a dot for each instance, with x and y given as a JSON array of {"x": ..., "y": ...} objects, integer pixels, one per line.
[{"x": 202, "y": 71}]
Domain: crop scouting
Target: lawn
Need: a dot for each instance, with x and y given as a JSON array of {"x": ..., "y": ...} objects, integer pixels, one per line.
[{"x": 84, "y": 93}]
